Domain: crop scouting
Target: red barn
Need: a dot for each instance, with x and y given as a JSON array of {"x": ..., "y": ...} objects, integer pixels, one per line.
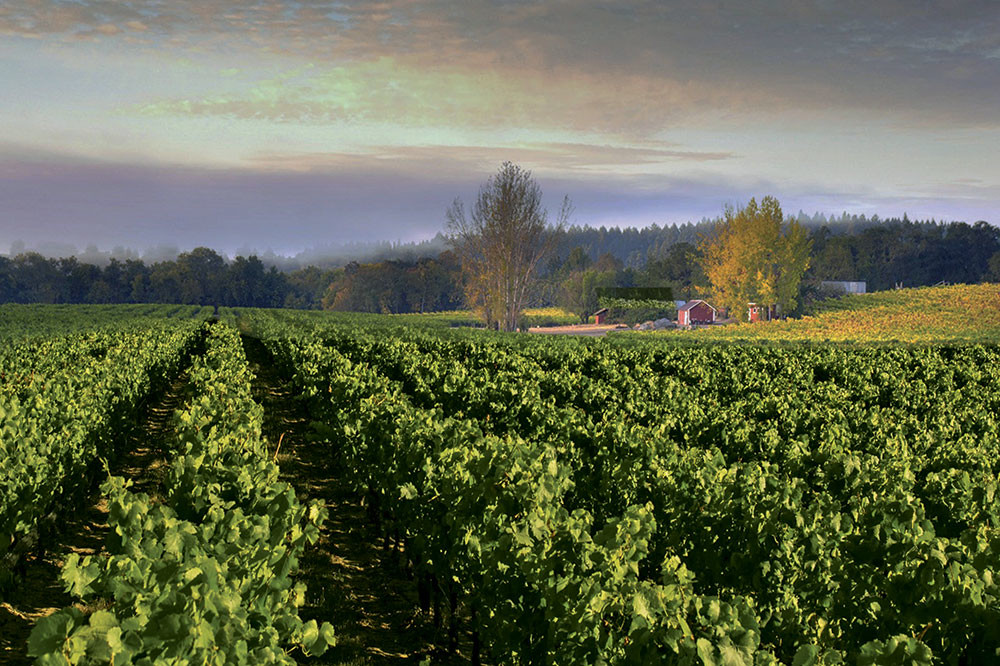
[
  {"x": 695, "y": 312},
  {"x": 600, "y": 316}
]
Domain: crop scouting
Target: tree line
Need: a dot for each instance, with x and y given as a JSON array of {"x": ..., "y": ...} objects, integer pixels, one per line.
[
  {"x": 885, "y": 253},
  {"x": 204, "y": 277},
  {"x": 911, "y": 254},
  {"x": 753, "y": 254},
  {"x": 198, "y": 277},
  {"x": 893, "y": 253}
]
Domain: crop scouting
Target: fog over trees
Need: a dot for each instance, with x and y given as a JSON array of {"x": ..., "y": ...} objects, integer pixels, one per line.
[{"x": 427, "y": 276}]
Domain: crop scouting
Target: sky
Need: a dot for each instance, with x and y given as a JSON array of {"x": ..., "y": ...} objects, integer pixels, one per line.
[{"x": 288, "y": 125}]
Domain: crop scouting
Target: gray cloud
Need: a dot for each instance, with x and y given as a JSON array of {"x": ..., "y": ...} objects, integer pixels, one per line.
[
  {"x": 557, "y": 158},
  {"x": 368, "y": 199},
  {"x": 929, "y": 62},
  {"x": 143, "y": 205},
  {"x": 613, "y": 76},
  {"x": 392, "y": 91}
]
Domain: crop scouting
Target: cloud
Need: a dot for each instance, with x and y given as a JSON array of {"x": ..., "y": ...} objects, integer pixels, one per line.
[
  {"x": 638, "y": 63},
  {"x": 386, "y": 90},
  {"x": 576, "y": 160},
  {"x": 84, "y": 202},
  {"x": 968, "y": 191},
  {"x": 580, "y": 91}
]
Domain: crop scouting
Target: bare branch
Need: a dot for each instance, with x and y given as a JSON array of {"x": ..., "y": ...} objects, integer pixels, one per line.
[{"x": 503, "y": 241}]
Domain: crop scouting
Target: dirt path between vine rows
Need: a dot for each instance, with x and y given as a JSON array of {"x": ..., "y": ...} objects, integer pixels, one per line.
[
  {"x": 83, "y": 531},
  {"x": 352, "y": 583}
]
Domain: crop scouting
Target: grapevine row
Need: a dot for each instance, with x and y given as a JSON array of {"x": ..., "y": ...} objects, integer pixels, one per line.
[
  {"x": 847, "y": 497},
  {"x": 64, "y": 402},
  {"x": 203, "y": 576}
]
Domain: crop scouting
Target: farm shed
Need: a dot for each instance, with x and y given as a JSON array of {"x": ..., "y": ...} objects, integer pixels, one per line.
[
  {"x": 600, "y": 316},
  {"x": 695, "y": 312},
  {"x": 757, "y": 312}
]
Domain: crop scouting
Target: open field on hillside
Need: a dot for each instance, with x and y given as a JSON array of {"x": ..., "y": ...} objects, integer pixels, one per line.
[
  {"x": 550, "y": 316},
  {"x": 957, "y": 313}
]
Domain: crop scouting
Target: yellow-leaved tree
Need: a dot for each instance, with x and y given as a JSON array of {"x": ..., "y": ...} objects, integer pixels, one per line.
[{"x": 754, "y": 256}]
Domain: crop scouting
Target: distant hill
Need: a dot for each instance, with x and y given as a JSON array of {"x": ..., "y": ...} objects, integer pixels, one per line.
[{"x": 957, "y": 313}]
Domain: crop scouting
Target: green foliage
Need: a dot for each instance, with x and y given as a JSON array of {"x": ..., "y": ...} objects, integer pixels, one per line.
[
  {"x": 928, "y": 315},
  {"x": 632, "y": 316},
  {"x": 579, "y": 291},
  {"x": 678, "y": 267},
  {"x": 393, "y": 287},
  {"x": 658, "y": 294},
  {"x": 635, "y": 298},
  {"x": 204, "y": 577},
  {"x": 615, "y": 501},
  {"x": 66, "y": 399},
  {"x": 755, "y": 256},
  {"x": 914, "y": 254},
  {"x": 628, "y": 502},
  {"x": 637, "y": 304}
]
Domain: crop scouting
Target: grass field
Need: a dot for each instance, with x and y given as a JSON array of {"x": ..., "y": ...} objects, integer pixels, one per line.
[{"x": 454, "y": 318}]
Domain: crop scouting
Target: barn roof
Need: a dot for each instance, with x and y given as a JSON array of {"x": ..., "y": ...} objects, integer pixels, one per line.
[
  {"x": 690, "y": 304},
  {"x": 601, "y": 311}
]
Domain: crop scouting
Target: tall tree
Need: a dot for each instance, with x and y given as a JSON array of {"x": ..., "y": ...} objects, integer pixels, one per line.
[
  {"x": 8, "y": 288},
  {"x": 502, "y": 242},
  {"x": 201, "y": 275},
  {"x": 753, "y": 255},
  {"x": 578, "y": 292},
  {"x": 993, "y": 272},
  {"x": 677, "y": 267}
]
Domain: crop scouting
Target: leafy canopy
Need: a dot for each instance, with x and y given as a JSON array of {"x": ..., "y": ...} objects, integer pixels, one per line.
[{"x": 753, "y": 256}]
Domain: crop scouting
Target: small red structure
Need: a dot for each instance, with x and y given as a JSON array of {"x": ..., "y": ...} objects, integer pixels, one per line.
[
  {"x": 757, "y": 312},
  {"x": 695, "y": 312},
  {"x": 600, "y": 316}
]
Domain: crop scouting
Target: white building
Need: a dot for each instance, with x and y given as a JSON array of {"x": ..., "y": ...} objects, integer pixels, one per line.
[{"x": 846, "y": 286}]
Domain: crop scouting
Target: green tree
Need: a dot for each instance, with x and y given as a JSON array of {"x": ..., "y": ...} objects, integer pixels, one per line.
[
  {"x": 7, "y": 284},
  {"x": 577, "y": 260},
  {"x": 39, "y": 280},
  {"x": 993, "y": 271},
  {"x": 200, "y": 274},
  {"x": 502, "y": 242},
  {"x": 678, "y": 267},
  {"x": 753, "y": 255},
  {"x": 578, "y": 292},
  {"x": 834, "y": 261},
  {"x": 608, "y": 263}
]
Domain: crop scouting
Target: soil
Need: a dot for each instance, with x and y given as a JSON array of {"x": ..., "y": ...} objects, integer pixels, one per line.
[
  {"x": 593, "y": 330},
  {"x": 351, "y": 581}
]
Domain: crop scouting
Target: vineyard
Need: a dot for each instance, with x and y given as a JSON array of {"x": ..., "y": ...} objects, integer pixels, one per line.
[
  {"x": 955, "y": 313},
  {"x": 631, "y": 500}
]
